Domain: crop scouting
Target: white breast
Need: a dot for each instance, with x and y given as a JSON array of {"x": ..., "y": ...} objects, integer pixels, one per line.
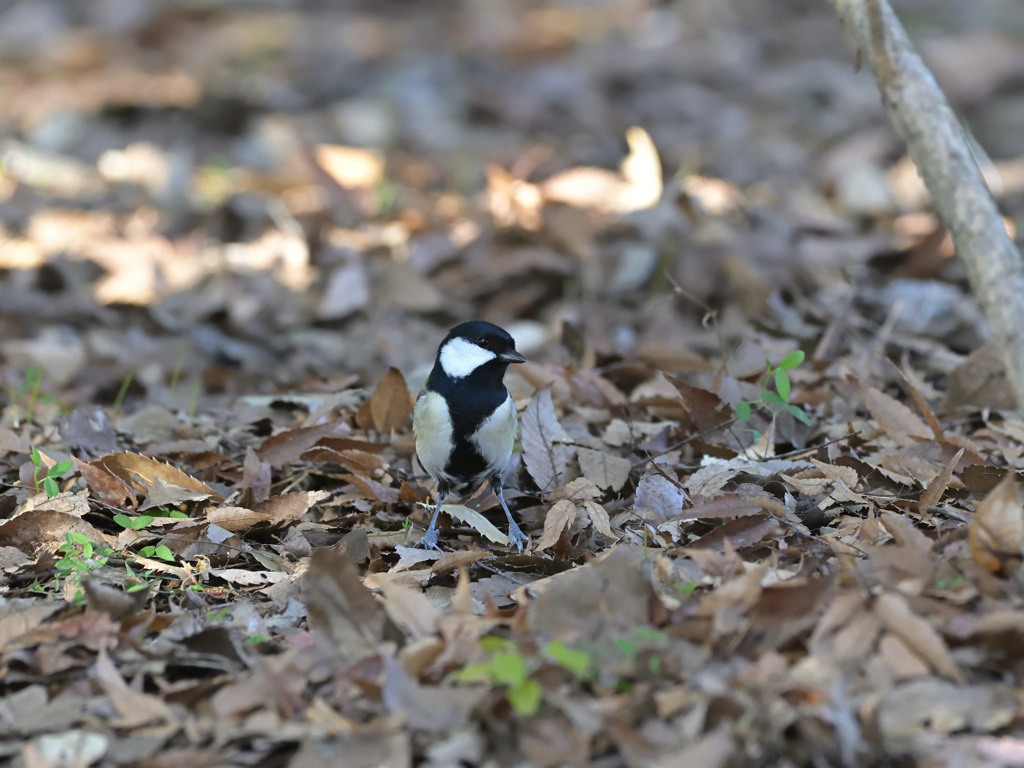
[
  {"x": 495, "y": 437},
  {"x": 433, "y": 427}
]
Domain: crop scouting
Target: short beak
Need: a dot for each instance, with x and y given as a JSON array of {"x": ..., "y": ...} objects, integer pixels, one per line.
[{"x": 511, "y": 357}]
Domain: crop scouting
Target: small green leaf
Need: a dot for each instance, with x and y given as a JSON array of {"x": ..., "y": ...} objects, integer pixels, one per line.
[
  {"x": 147, "y": 551},
  {"x": 743, "y": 410},
  {"x": 123, "y": 520},
  {"x": 770, "y": 398},
  {"x": 60, "y": 469},
  {"x": 792, "y": 360},
  {"x": 77, "y": 537},
  {"x": 87, "y": 549},
  {"x": 474, "y": 673},
  {"x": 141, "y": 522},
  {"x": 799, "y": 414},
  {"x": 576, "y": 662},
  {"x": 525, "y": 697},
  {"x": 686, "y": 588},
  {"x": 782, "y": 383},
  {"x": 137, "y": 587},
  {"x": 163, "y": 552},
  {"x": 495, "y": 643},
  {"x": 650, "y": 633},
  {"x": 508, "y": 668},
  {"x": 37, "y": 460},
  {"x": 50, "y": 487},
  {"x": 625, "y": 647},
  {"x": 177, "y": 514}
]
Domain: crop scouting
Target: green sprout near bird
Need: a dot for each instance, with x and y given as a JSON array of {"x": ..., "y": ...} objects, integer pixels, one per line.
[{"x": 777, "y": 402}]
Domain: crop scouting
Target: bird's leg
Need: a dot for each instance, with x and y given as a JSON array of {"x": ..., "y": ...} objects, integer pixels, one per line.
[
  {"x": 429, "y": 540},
  {"x": 516, "y": 536}
]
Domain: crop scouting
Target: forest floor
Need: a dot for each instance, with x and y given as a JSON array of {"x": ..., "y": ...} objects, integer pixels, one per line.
[{"x": 768, "y": 462}]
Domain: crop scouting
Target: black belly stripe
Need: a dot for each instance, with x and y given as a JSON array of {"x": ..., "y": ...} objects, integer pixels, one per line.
[{"x": 470, "y": 402}]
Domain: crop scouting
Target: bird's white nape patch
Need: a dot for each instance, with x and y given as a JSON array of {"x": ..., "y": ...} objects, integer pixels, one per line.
[{"x": 460, "y": 357}]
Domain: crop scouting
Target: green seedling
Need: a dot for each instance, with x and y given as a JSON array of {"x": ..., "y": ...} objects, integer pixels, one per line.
[
  {"x": 176, "y": 375},
  {"x": 140, "y": 522},
  {"x": 775, "y": 402},
  {"x": 177, "y": 514},
  {"x": 193, "y": 402},
  {"x": 123, "y": 391},
  {"x": 80, "y": 558},
  {"x": 134, "y": 523},
  {"x": 627, "y": 648},
  {"x": 506, "y": 666},
  {"x": 46, "y": 479},
  {"x": 29, "y": 393},
  {"x": 160, "y": 552},
  {"x": 575, "y": 661}
]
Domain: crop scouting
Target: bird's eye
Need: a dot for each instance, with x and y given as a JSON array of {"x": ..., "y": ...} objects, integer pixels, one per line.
[{"x": 483, "y": 342}]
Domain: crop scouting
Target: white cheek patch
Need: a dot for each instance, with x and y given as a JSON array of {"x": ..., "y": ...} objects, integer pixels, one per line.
[{"x": 459, "y": 357}]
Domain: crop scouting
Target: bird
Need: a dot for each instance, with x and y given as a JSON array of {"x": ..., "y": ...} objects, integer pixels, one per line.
[{"x": 465, "y": 420}]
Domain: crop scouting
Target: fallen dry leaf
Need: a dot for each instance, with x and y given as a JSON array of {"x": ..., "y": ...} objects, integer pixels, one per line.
[
  {"x": 898, "y": 421},
  {"x": 340, "y": 608},
  {"x": 286, "y": 447},
  {"x": 997, "y": 528},
  {"x": 286, "y": 508},
  {"x": 390, "y": 403},
  {"x": 107, "y": 488},
  {"x": 933, "y": 493},
  {"x": 556, "y": 522},
  {"x": 545, "y": 457},
  {"x": 162, "y": 494},
  {"x": 141, "y": 473},
  {"x": 133, "y": 709},
  {"x": 603, "y": 469},
  {"x": 917, "y": 633}
]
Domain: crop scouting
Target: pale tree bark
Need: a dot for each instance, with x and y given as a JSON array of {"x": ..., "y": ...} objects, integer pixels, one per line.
[{"x": 920, "y": 114}]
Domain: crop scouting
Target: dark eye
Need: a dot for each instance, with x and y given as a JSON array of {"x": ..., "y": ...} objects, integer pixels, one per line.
[{"x": 483, "y": 342}]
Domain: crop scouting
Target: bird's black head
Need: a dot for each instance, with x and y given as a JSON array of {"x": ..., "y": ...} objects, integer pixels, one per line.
[{"x": 476, "y": 349}]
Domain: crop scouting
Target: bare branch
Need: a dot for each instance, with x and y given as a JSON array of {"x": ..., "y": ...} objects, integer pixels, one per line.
[{"x": 922, "y": 117}]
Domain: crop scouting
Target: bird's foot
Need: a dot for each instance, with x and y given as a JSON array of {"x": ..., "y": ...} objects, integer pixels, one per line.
[
  {"x": 516, "y": 537},
  {"x": 429, "y": 540}
]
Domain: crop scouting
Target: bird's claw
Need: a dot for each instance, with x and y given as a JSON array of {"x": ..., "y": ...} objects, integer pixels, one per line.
[
  {"x": 429, "y": 540},
  {"x": 516, "y": 537}
]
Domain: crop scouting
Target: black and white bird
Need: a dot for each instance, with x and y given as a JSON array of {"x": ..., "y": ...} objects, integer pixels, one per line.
[{"x": 465, "y": 419}]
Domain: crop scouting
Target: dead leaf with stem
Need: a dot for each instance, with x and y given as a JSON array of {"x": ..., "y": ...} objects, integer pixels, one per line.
[{"x": 545, "y": 455}]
